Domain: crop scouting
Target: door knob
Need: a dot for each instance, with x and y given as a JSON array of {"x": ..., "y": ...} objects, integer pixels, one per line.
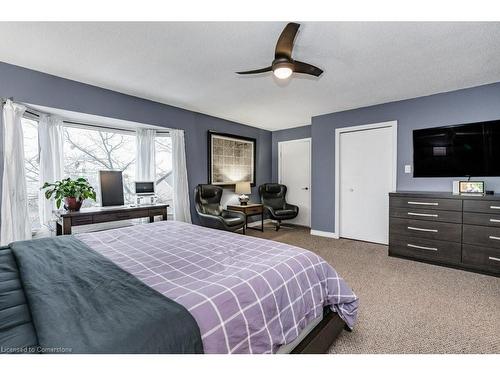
[{"x": 305, "y": 188}]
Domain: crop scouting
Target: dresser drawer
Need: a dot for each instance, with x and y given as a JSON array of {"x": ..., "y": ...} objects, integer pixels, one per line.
[
  {"x": 254, "y": 210},
  {"x": 111, "y": 217},
  {"x": 489, "y": 207},
  {"x": 116, "y": 216},
  {"x": 483, "y": 257},
  {"x": 426, "y": 229},
  {"x": 431, "y": 215},
  {"x": 247, "y": 210},
  {"x": 157, "y": 211},
  {"x": 138, "y": 214},
  {"x": 427, "y": 203},
  {"x": 481, "y": 236},
  {"x": 81, "y": 220},
  {"x": 423, "y": 248},
  {"x": 489, "y": 220}
]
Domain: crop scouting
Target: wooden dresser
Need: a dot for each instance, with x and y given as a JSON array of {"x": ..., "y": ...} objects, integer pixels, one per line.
[{"x": 446, "y": 229}]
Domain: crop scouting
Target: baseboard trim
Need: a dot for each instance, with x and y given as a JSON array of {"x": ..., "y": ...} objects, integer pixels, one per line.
[
  {"x": 321, "y": 233},
  {"x": 257, "y": 223}
]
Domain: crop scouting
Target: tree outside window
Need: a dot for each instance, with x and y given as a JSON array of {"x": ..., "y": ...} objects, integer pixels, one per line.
[
  {"x": 87, "y": 151},
  {"x": 32, "y": 169}
]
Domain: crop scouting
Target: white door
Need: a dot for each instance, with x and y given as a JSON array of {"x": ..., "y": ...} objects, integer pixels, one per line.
[
  {"x": 295, "y": 173},
  {"x": 366, "y": 177}
]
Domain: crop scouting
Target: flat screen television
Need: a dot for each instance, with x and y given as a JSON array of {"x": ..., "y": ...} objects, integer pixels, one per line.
[
  {"x": 111, "y": 183},
  {"x": 457, "y": 151}
]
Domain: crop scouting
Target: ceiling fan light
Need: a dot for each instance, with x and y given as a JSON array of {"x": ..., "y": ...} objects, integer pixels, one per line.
[{"x": 283, "y": 72}]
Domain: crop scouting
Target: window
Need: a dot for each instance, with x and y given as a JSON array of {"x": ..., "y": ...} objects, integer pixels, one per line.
[
  {"x": 32, "y": 169},
  {"x": 87, "y": 151},
  {"x": 163, "y": 169}
]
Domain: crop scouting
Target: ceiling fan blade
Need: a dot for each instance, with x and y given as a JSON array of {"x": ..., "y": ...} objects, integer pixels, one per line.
[
  {"x": 256, "y": 71},
  {"x": 302, "y": 67},
  {"x": 284, "y": 45}
]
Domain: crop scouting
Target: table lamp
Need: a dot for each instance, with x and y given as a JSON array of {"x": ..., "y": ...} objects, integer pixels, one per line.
[{"x": 243, "y": 188}]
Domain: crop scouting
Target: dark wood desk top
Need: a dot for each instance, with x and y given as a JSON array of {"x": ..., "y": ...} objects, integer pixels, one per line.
[{"x": 110, "y": 209}]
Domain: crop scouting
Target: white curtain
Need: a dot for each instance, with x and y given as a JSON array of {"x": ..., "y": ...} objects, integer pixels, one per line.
[
  {"x": 145, "y": 155},
  {"x": 182, "y": 210},
  {"x": 15, "y": 221},
  {"x": 50, "y": 152}
]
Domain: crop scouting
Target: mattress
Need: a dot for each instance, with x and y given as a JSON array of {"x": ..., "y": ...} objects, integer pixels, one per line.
[{"x": 247, "y": 295}]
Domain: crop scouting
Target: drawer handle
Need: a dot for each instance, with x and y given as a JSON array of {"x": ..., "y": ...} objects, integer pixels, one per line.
[
  {"x": 495, "y": 207},
  {"x": 425, "y": 215},
  {"x": 494, "y": 238},
  {"x": 495, "y": 220},
  {"x": 425, "y": 230},
  {"x": 495, "y": 259},
  {"x": 422, "y": 247},
  {"x": 426, "y": 203}
]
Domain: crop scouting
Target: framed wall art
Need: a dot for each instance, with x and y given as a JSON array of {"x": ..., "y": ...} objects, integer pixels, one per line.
[{"x": 231, "y": 159}]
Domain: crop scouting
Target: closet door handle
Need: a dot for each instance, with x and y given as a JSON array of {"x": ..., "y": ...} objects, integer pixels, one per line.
[
  {"x": 425, "y": 230},
  {"x": 425, "y": 215},
  {"x": 495, "y": 207},
  {"x": 495, "y": 220},
  {"x": 495, "y": 259},
  {"x": 422, "y": 247},
  {"x": 494, "y": 238},
  {"x": 425, "y": 203}
]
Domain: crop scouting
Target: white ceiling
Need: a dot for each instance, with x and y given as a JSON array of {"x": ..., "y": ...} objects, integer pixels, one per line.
[{"x": 192, "y": 65}]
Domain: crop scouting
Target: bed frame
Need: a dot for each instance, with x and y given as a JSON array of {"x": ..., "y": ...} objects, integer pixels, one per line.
[{"x": 319, "y": 340}]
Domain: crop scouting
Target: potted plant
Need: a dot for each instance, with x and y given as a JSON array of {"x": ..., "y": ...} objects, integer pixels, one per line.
[{"x": 74, "y": 192}]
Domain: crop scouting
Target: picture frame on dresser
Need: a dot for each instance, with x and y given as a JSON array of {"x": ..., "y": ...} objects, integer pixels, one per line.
[
  {"x": 231, "y": 159},
  {"x": 458, "y": 231}
]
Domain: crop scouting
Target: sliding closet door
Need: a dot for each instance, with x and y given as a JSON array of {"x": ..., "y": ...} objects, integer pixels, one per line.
[{"x": 366, "y": 178}]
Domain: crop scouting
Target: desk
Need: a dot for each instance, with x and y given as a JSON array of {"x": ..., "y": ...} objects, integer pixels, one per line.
[
  {"x": 249, "y": 210},
  {"x": 95, "y": 215}
]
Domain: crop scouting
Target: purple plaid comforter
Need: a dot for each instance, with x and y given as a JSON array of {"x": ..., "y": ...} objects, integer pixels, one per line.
[{"x": 248, "y": 295}]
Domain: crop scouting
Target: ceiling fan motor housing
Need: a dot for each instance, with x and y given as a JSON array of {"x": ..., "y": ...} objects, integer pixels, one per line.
[{"x": 282, "y": 63}]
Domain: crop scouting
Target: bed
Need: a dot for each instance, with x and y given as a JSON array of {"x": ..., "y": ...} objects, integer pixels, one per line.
[{"x": 180, "y": 287}]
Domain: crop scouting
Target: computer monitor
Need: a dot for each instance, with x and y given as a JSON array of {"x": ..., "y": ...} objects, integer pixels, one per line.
[
  {"x": 144, "y": 187},
  {"x": 111, "y": 188}
]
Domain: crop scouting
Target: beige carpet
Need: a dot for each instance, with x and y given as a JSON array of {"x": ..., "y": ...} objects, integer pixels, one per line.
[{"x": 407, "y": 306}]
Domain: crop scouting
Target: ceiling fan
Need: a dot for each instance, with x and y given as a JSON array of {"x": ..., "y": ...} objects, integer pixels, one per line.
[{"x": 283, "y": 65}]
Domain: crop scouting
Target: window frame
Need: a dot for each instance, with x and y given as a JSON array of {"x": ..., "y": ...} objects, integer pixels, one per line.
[{"x": 34, "y": 116}]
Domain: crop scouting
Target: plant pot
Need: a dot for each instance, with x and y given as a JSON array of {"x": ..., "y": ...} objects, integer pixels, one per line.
[{"x": 72, "y": 204}]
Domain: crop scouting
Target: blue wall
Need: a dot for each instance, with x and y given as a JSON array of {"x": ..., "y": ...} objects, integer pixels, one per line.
[
  {"x": 286, "y": 135},
  {"x": 468, "y": 105},
  {"x": 43, "y": 89},
  {"x": 475, "y": 104}
]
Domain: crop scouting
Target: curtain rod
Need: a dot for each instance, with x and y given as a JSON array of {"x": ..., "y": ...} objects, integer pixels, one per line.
[
  {"x": 36, "y": 113},
  {"x": 4, "y": 100}
]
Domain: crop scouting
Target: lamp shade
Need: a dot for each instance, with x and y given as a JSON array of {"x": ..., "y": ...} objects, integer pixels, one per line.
[{"x": 242, "y": 187}]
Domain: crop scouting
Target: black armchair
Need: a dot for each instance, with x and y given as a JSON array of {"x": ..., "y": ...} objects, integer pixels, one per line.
[
  {"x": 207, "y": 202},
  {"x": 272, "y": 197}
]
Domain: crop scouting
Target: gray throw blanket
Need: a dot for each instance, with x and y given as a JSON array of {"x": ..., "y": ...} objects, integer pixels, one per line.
[{"x": 81, "y": 302}]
